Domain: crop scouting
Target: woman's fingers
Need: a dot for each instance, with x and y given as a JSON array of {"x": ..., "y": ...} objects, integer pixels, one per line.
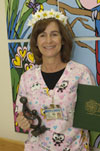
[{"x": 23, "y": 122}]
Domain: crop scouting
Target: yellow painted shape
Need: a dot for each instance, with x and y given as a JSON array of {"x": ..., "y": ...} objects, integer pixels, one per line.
[
  {"x": 17, "y": 61},
  {"x": 28, "y": 67},
  {"x": 41, "y": 8},
  {"x": 31, "y": 57},
  {"x": 98, "y": 1},
  {"x": 22, "y": 53}
]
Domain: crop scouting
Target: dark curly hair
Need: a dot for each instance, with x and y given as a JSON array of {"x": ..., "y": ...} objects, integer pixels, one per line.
[{"x": 67, "y": 39}]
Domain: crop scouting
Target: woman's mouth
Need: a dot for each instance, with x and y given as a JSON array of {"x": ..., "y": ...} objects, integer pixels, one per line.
[{"x": 49, "y": 47}]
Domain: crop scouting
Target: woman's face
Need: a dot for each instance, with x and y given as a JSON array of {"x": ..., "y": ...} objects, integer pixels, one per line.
[{"x": 49, "y": 42}]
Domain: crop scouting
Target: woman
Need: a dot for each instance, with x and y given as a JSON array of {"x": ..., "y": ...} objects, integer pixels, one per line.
[{"x": 51, "y": 87}]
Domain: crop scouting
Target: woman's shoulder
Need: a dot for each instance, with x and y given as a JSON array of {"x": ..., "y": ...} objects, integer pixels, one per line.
[
  {"x": 78, "y": 66},
  {"x": 31, "y": 71}
]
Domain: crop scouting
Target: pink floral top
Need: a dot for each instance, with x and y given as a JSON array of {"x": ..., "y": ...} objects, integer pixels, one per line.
[{"x": 61, "y": 136}]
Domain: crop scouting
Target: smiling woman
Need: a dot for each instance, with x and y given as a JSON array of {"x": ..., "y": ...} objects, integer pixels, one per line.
[{"x": 51, "y": 88}]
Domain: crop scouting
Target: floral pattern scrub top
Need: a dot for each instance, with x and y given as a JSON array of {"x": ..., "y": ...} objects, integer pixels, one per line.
[{"x": 62, "y": 136}]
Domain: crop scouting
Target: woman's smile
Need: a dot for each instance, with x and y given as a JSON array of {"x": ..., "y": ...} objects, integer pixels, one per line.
[{"x": 49, "y": 47}]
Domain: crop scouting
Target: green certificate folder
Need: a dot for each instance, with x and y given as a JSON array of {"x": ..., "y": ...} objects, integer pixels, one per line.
[{"x": 87, "y": 109}]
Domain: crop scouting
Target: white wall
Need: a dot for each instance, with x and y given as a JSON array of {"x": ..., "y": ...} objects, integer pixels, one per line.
[{"x": 6, "y": 106}]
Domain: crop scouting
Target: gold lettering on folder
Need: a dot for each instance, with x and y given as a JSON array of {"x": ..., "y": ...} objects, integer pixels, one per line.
[{"x": 92, "y": 107}]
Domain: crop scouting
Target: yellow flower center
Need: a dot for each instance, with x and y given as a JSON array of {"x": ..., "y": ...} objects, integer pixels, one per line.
[
  {"x": 44, "y": 14},
  {"x": 57, "y": 16},
  {"x": 38, "y": 16},
  {"x": 51, "y": 13}
]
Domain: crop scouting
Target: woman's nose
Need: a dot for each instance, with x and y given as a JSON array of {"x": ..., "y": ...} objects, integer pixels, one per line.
[{"x": 49, "y": 39}]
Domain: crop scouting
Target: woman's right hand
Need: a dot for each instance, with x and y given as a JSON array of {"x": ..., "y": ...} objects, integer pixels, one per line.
[{"x": 22, "y": 121}]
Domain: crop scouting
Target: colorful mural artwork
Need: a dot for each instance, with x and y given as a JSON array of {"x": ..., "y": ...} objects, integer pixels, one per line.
[
  {"x": 83, "y": 21},
  {"x": 17, "y": 14},
  {"x": 21, "y": 60}
]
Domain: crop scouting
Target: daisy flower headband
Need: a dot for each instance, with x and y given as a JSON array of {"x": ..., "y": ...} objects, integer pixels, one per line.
[{"x": 47, "y": 14}]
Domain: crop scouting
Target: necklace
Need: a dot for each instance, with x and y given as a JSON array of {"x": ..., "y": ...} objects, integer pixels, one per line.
[{"x": 51, "y": 95}]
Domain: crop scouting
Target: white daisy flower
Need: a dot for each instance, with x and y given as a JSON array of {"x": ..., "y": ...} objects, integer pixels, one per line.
[{"x": 47, "y": 14}]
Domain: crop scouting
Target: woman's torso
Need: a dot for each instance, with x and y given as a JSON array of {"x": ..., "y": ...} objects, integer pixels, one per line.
[{"x": 61, "y": 134}]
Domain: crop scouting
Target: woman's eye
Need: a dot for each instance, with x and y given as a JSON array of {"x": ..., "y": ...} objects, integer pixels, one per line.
[
  {"x": 42, "y": 35},
  {"x": 55, "y": 34}
]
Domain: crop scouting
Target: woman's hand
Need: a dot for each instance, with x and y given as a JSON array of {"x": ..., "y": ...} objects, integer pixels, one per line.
[{"x": 22, "y": 121}]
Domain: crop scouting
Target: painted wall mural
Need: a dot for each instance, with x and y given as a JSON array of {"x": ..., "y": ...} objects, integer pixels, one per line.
[
  {"x": 83, "y": 21},
  {"x": 21, "y": 60}
]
